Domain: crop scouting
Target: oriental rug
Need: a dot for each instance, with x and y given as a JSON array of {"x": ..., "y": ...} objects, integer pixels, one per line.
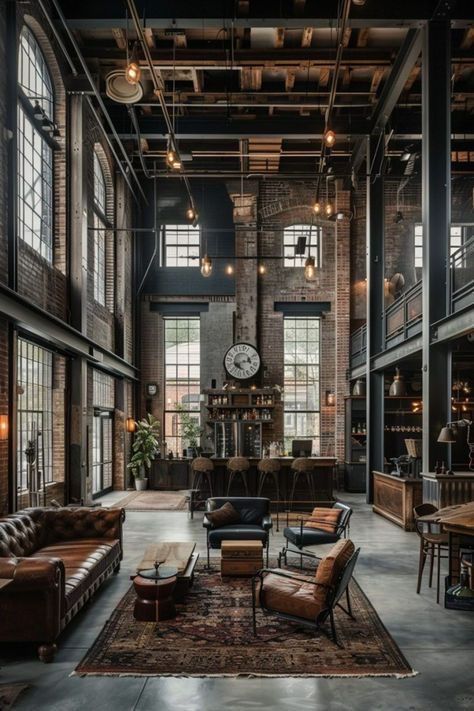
[
  {"x": 154, "y": 501},
  {"x": 212, "y": 637}
]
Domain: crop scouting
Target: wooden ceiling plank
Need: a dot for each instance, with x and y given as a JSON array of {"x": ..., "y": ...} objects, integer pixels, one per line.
[
  {"x": 290, "y": 79},
  {"x": 149, "y": 37},
  {"x": 119, "y": 37},
  {"x": 307, "y": 37},
  {"x": 362, "y": 37},
  {"x": 468, "y": 38}
]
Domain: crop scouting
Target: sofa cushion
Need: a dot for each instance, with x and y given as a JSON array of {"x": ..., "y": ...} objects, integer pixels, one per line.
[
  {"x": 237, "y": 532},
  {"x": 330, "y": 568},
  {"x": 290, "y": 596},
  {"x": 258, "y": 503},
  {"x": 310, "y": 537},
  {"x": 324, "y": 519},
  {"x": 225, "y": 516},
  {"x": 85, "y": 560},
  {"x": 20, "y": 535},
  {"x": 250, "y": 516}
]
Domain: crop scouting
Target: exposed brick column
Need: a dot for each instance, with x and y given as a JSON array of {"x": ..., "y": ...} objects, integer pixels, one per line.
[{"x": 246, "y": 275}]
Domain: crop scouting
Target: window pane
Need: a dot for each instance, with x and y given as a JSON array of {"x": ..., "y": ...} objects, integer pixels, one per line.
[
  {"x": 182, "y": 376},
  {"x": 301, "y": 381},
  {"x": 181, "y": 244},
  {"x": 312, "y": 235}
]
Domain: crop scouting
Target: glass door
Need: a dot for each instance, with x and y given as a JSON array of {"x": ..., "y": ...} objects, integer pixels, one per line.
[{"x": 102, "y": 433}]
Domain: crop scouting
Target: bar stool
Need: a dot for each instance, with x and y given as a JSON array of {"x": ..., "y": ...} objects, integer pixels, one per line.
[
  {"x": 302, "y": 466},
  {"x": 202, "y": 468},
  {"x": 270, "y": 467},
  {"x": 238, "y": 466},
  {"x": 429, "y": 541}
]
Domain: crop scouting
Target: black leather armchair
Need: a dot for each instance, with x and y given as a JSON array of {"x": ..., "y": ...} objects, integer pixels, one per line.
[
  {"x": 301, "y": 537},
  {"x": 255, "y": 525}
]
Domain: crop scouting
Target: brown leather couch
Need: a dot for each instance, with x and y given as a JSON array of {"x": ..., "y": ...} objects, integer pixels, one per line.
[{"x": 56, "y": 559}]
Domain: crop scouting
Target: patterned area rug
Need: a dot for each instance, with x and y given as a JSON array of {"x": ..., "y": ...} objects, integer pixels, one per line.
[
  {"x": 154, "y": 501},
  {"x": 9, "y": 694},
  {"x": 212, "y": 636}
]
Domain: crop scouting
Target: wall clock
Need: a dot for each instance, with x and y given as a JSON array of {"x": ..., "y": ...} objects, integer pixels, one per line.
[{"x": 242, "y": 361}]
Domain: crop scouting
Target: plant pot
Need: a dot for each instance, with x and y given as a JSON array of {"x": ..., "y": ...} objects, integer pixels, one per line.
[
  {"x": 141, "y": 483},
  {"x": 191, "y": 452}
]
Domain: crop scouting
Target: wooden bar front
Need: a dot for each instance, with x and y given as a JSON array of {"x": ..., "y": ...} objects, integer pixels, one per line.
[
  {"x": 443, "y": 490},
  {"x": 395, "y": 497}
]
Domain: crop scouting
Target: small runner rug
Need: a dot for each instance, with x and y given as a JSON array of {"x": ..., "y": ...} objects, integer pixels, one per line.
[
  {"x": 212, "y": 637},
  {"x": 154, "y": 501}
]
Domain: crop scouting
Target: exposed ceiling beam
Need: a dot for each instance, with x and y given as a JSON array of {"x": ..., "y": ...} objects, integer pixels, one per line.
[
  {"x": 376, "y": 79},
  {"x": 362, "y": 37},
  {"x": 468, "y": 38},
  {"x": 324, "y": 74},
  {"x": 149, "y": 37},
  {"x": 280, "y": 38},
  {"x": 393, "y": 87},
  {"x": 307, "y": 37},
  {"x": 119, "y": 37},
  {"x": 290, "y": 79}
]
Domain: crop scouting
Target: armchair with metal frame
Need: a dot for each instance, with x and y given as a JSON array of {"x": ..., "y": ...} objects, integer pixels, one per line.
[
  {"x": 301, "y": 536},
  {"x": 314, "y": 618},
  {"x": 256, "y": 522}
]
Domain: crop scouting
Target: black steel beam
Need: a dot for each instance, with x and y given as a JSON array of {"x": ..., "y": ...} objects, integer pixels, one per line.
[
  {"x": 35, "y": 320},
  {"x": 436, "y": 210},
  {"x": 181, "y": 14},
  {"x": 393, "y": 87},
  {"x": 375, "y": 227}
]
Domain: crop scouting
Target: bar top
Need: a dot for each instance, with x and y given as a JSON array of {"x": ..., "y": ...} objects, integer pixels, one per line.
[
  {"x": 406, "y": 479},
  {"x": 456, "y": 475},
  {"x": 318, "y": 461}
]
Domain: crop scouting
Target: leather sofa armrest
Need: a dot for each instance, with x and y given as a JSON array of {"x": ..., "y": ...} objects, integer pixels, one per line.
[
  {"x": 33, "y": 573},
  {"x": 267, "y": 522}
]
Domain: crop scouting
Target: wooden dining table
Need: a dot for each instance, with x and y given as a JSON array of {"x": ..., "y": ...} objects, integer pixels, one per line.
[{"x": 458, "y": 522}]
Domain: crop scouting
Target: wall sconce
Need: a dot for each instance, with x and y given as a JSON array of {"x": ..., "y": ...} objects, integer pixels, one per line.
[
  {"x": 330, "y": 398},
  {"x": 130, "y": 425},
  {"x": 3, "y": 427}
]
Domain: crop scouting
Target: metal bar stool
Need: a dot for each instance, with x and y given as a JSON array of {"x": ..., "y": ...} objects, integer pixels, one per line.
[
  {"x": 302, "y": 467},
  {"x": 269, "y": 467},
  {"x": 238, "y": 466},
  {"x": 202, "y": 468}
]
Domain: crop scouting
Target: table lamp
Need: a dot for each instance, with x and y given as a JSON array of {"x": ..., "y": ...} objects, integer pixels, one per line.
[{"x": 447, "y": 435}]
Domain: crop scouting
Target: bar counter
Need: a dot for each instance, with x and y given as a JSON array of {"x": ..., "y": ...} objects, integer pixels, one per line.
[
  {"x": 395, "y": 497},
  {"x": 174, "y": 474}
]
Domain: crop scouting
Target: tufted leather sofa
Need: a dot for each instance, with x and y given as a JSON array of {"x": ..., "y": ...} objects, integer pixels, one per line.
[{"x": 56, "y": 559}]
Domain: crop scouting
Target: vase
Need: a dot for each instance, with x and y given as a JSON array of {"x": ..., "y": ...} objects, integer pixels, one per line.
[{"x": 141, "y": 483}]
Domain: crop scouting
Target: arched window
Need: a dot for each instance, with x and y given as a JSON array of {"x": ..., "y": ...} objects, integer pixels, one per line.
[
  {"x": 100, "y": 197},
  {"x": 35, "y": 151}
]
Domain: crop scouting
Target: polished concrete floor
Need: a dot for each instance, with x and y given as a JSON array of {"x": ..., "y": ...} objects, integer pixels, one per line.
[{"x": 438, "y": 643}]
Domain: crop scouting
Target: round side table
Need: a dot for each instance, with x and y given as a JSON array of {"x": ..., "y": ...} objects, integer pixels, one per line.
[{"x": 154, "y": 589}]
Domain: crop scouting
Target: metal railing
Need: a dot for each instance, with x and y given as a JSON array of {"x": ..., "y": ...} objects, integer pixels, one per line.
[
  {"x": 358, "y": 346},
  {"x": 403, "y": 317},
  {"x": 461, "y": 277}
]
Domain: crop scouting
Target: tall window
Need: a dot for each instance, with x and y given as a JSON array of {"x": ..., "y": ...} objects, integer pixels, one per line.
[
  {"x": 309, "y": 235},
  {"x": 181, "y": 245},
  {"x": 459, "y": 234},
  {"x": 35, "y": 411},
  {"x": 102, "y": 431},
  {"x": 34, "y": 152},
  {"x": 99, "y": 231},
  {"x": 301, "y": 381},
  {"x": 182, "y": 376}
]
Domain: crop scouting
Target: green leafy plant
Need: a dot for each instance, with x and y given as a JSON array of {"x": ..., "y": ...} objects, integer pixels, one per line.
[
  {"x": 191, "y": 430},
  {"x": 145, "y": 445}
]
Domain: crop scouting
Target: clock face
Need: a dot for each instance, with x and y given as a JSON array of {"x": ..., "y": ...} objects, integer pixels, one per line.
[{"x": 242, "y": 361}]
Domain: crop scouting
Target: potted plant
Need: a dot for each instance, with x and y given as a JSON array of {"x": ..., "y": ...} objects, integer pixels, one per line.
[
  {"x": 145, "y": 448},
  {"x": 191, "y": 431}
]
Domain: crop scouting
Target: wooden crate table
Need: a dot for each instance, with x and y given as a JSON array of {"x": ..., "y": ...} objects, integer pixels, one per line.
[
  {"x": 175, "y": 555},
  {"x": 241, "y": 558}
]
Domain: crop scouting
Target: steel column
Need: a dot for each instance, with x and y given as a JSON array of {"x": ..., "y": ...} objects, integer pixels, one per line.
[
  {"x": 436, "y": 208},
  {"x": 375, "y": 305}
]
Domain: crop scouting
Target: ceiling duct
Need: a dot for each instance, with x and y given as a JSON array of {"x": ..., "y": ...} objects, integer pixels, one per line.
[{"x": 120, "y": 90}]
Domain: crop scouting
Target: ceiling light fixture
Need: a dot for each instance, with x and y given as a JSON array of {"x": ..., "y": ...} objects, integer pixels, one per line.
[
  {"x": 206, "y": 266},
  {"x": 317, "y": 207},
  {"x": 328, "y": 209},
  {"x": 359, "y": 3},
  {"x": 191, "y": 214},
  {"x": 339, "y": 215},
  {"x": 229, "y": 270},
  {"x": 133, "y": 73},
  {"x": 262, "y": 269},
  {"x": 329, "y": 138},
  {"x": 310, "y": 269}
]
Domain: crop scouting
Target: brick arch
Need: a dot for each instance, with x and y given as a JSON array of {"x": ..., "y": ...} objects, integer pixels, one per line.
[{"x": 52, "y": 62}]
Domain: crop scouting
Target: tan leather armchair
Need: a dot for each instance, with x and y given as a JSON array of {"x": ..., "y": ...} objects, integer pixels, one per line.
[{"x": 56, "y": 559}]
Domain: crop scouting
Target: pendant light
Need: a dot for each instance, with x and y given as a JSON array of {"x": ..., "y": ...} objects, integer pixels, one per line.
[
  {"x": 133, "y": 73},
  {"x": 206, "y": 266},
  {"x": 229, "y": 270},
  {"x": 309, "y": 269},
  {"x": 191, "y": 214},
  {"x": 328, "y": 209},
  {"x": 262, "y": 269},
  {"x": 329, "y": 138},
  {"x": 317, "y": 207}
]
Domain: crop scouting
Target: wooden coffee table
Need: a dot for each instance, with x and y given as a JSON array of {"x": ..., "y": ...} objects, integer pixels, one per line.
[{"x": 175, "y": 555}]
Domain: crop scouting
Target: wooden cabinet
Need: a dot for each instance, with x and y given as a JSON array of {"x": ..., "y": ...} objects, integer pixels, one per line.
[
  {"x": 170, "y": 474},
  {"x": 395, "y": 497}
]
